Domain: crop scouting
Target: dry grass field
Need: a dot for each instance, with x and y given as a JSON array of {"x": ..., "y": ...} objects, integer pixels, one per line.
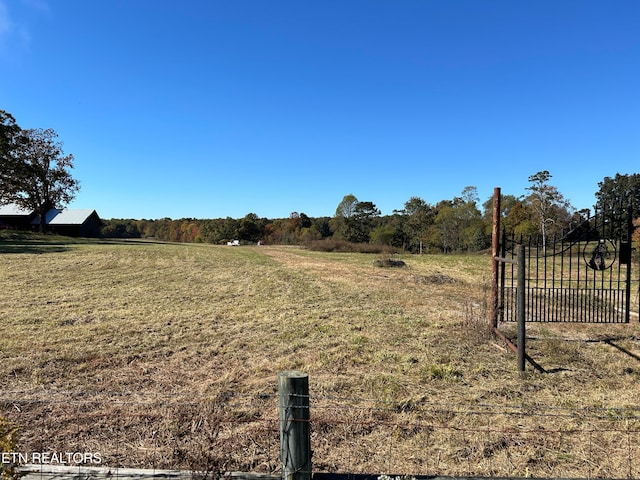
[{"x": 130, "y": 348}]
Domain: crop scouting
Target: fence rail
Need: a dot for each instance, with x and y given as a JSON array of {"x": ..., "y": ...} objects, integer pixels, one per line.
[{"x": 234, "y": 432}]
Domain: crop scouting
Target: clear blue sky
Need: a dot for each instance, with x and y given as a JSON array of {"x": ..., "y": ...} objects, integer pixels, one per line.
[{"x": 212, "y": 108}]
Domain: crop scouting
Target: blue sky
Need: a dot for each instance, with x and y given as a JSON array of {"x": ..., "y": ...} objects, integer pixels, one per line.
[{"x": 208, "y": 109}]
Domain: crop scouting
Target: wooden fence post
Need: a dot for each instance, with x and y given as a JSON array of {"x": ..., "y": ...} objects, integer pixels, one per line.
[{"x": 295, "y": 431}]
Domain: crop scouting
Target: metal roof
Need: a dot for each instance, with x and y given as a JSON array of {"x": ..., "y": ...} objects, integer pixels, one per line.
[
  {"x": 13, "y": 210},
  {"x": 53, "y": 217},
  {"x": 70, "y": 217},
  {"x": 64, "y": 217},
  {"x": 50, "y": 215}
]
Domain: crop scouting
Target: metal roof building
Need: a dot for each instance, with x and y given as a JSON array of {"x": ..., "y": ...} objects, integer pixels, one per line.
[
  {"x": 70, "y": 222},
  {"x": 13, "y": 210},
  {"x": 70, "y": 217},
  {"x": 14, "y": 217}
]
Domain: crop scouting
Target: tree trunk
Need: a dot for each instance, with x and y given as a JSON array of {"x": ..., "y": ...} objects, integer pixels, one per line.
[
  {"x": 43, "y": 217},
  {"x": 43, "y": 221}
]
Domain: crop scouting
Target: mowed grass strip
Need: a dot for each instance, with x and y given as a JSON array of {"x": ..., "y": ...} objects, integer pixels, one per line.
[{"x": 147, "y": 316}]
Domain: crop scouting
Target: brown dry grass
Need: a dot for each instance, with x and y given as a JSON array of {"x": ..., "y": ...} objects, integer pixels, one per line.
[{"x": 151, "y": 353}]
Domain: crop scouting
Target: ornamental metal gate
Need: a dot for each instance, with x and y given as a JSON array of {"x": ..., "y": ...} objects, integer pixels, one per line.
[{"x": 586, "y": 276}]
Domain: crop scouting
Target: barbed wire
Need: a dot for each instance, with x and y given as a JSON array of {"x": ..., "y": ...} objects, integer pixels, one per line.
[
  {"x": 321, "y": 405},
  {"x": 318, "y": 402},
  {"x": 350, "y": 434}
]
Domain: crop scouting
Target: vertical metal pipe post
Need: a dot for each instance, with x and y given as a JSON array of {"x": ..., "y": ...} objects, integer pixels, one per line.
[
  {"x": 627, "y": 305},
  {"x": 295, "y": 428},
  {"x": 521, "y": 308},
  {"x": 495, "y": 246}
]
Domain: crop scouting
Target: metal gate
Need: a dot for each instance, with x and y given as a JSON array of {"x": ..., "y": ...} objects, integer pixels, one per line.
[{"x": 585, "y": 276}]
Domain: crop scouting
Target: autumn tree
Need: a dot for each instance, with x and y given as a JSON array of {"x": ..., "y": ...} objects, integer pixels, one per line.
[
  {"x": 219, "y": 231},
  {"x": 120, "y": 228},
  {"x": 43, "y": 179},
  {"x": 515, "y": 216}
]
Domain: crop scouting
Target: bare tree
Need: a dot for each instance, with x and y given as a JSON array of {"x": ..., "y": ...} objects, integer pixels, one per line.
[{"x": 548, "y": 203}]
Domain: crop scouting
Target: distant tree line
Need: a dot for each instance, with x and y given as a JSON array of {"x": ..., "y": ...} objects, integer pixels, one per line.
[
  {"x": 35, "y": 174},
  {"x": 460, "y": 224}
]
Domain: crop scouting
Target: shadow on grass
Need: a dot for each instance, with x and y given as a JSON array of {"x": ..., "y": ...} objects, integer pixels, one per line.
[
  {"x": 611, "y": 341},
  {"x": 622, "y": 349},
  {"x": 37, "y": 244},
  {"x": 33, "y": 243},
  {"x": 31, "y": 248},
  {"x": 557, "y": 370}
]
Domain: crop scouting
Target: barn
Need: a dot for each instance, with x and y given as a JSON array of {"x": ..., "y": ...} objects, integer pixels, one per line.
[
  {"x": 72, "y": 222},
  {"x": 15, "y": 218},
  {"x": 68, "y": 222}
]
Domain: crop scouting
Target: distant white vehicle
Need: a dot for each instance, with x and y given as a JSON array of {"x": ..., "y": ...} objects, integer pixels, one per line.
[{"x": 234, "y": 243}]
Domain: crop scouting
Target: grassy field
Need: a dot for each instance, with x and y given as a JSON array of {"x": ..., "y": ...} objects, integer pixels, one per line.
[{"x": 145, "y": 323}]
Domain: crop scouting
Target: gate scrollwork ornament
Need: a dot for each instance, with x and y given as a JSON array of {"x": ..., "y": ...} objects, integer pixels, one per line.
[{"x": 600, "y": 255}]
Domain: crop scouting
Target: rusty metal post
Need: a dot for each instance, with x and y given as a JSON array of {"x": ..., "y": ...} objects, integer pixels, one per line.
[
  {"x": 495, "y": 246},
  {"x": 521, "y": 298}
]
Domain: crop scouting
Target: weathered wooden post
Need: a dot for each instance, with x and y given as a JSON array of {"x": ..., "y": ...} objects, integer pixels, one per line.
[{"x": 295, "y": 428}]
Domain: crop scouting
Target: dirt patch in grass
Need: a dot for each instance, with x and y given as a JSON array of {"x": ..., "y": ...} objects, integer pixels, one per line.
[{"x": 389, "y": 263}]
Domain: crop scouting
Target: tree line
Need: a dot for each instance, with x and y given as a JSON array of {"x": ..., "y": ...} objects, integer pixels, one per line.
[
  {"x": 460, "y": 224},
  {"x": 35, "y": 173}
]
